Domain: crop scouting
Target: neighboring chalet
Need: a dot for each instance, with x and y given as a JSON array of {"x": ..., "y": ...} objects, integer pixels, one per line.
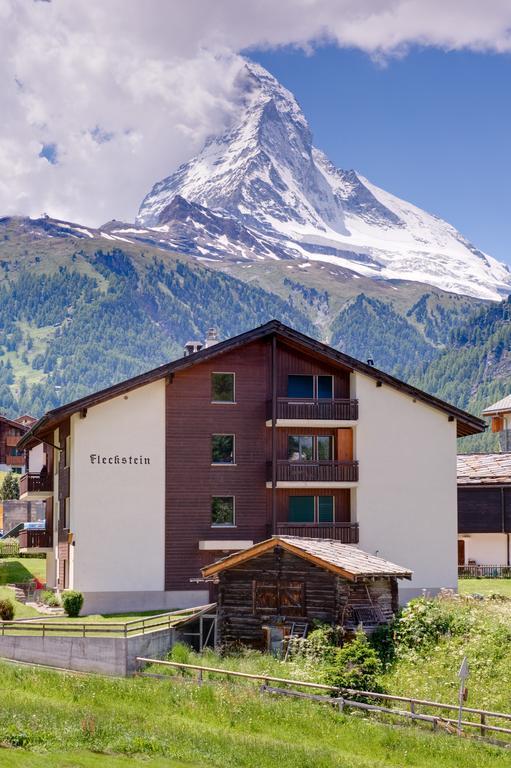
[
  {"x": 288, "y": 580},
  {"x": 267, "y": 433},
  {"x": 484, "y": 500},
  {"x": 11, "y": 431}
]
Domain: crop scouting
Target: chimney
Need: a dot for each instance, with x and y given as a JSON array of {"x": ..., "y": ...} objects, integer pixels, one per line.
[
  {"x": 211, "y": 337},
  {"x": 191, "y": 347}
]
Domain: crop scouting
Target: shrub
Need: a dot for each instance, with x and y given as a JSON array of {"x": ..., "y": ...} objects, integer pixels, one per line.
[
  {"x": 72, "y": 602},
  {"x": 180, "y": 653},
  {"x": 355, "y": 665},
  {"x": 424, "y": 621},
  {"x": 319, "y": 645},
  {"x": 50, "y": 598},
  {"x": 6, "y": 610},
  {"x": 383, "y": 642}
]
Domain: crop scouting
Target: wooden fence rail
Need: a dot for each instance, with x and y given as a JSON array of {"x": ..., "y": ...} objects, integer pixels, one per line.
[
  {"x": 47, "y": 628},
  {"x": 343, "y": 697},
  {"x": 484, "y": 571}
]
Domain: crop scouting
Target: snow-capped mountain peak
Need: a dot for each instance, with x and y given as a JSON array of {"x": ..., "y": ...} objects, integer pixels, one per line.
[{"x": 280, "y": 197}]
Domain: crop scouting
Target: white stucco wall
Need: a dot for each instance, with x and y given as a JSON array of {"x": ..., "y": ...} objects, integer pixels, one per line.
[
  {"x": 406, "y": 501},
  {"x": 486, "y": 548},
  {"x": 36, "y": 459},
  {"x": 117, "y": 505}
]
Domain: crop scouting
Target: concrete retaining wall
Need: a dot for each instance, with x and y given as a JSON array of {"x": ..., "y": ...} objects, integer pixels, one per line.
[{"x": 105, "y": 655}]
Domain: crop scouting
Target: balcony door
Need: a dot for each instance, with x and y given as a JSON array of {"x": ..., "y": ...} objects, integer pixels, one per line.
[
  {"x": 310, "y": 387},
  {"x": 311, "y": 509},
  {"x": 310, "y": 448}
]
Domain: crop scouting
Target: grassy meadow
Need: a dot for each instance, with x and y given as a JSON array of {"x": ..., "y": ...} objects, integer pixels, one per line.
[{"x": 70, "y": 720}]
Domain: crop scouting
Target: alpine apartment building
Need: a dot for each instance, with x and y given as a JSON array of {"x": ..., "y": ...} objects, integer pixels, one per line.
[{"x": 267, "y": 433}]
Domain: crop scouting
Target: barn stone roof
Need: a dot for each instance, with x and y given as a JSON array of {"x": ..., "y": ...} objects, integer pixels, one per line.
[
  {"x": 343, "y": 559},
  {"x": 484, "y": 468}
]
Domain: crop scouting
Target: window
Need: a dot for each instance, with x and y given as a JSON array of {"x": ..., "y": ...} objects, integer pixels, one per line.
[
  {"x": 67, "y": 451},
  {"x": 325, "y": 507},
  {"x": 325, "y": 448},
  {"x": 222, "y": 387},
  {"x": 282, "y": 597},
  {"x": 301, "y": 509},
  {"x": 308, "y": 387},
  {"x": 311, "y": 509},
  {"x": 300, "y": 448},
  {"x": 67, "y": 513},
  {"x": 309, "y": 448},
  {"x": 300, "y": 386},
  {"x": 222, "y": 449},
  {"x": 325, "y": 387},
  {"x": 222, "y": 510}
]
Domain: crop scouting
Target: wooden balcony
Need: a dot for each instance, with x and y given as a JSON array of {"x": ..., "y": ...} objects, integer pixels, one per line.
[
  {"x": 15, "y": 461},
  {"x": 36, "y": 486},
  {"x": 347, "y": 533},
  {"x": 314, "y": 411},
  {"x": 35, "y": 539},
  {"x": 12, "y": 440},
  {"x": 314, "y": 473}
]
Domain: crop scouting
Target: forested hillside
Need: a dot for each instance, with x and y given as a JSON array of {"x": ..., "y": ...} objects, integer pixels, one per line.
[
  {"x": 79, "y": 312},
  {"x": 475, "y": 371}
]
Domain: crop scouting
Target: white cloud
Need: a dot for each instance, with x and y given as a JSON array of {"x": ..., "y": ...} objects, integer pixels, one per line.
[{"x": 126, "y": 89}]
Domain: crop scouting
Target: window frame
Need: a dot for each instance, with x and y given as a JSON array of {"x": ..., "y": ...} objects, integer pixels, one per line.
[
  {"x": 315, "y": 447},
  {"x": 224, "y": 463},
  {"x": 316, "y": 498},
  {"x": 223, "y": 402},
  {"x": 224, "y": 525}
]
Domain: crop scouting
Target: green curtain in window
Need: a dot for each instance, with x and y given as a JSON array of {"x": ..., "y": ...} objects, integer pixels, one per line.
[
  {"x": 326, "y": 509},
  {"x": 301, "y": 509}
]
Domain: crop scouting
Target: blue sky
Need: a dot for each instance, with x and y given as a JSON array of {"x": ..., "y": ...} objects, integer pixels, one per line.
[{"x": 431, "y": 127}]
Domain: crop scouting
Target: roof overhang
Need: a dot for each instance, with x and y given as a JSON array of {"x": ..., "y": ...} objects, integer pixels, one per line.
[
  {"x": 237, "y": 558},
  {"x": 466, "y": 424}
]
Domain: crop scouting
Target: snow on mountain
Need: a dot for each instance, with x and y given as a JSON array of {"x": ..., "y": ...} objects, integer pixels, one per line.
[{"x": 261, "y": 190}]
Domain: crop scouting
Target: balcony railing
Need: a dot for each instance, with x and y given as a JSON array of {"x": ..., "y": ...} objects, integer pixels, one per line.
[
  {"x": 34, "y": 539},
  {"x": 346, "y": 533},
  {"x": 302, "y": 408},
  {"x": 15, "y": 461},
  {"x": 33, "y": 482},
  {"x": 316, "y": 471}
]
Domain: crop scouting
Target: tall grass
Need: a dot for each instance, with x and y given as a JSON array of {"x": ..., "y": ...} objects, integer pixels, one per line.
[{"x": 224, "y": 725}]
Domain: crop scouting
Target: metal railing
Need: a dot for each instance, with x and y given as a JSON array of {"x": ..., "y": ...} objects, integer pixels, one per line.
[
  {"x": 318, "y": 471},
  {"x": 298, "y": 408},
  {"x": 55, "y": 627},
  {"x": 33, "y": 482},
  {"x": 346, "y": 533},
  {"x": 484, "y": 571},
  {"x": 350, "y": 698}
]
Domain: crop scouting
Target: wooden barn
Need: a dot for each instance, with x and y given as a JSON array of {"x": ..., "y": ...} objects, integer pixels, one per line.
[{"x": 288, "y": 581}]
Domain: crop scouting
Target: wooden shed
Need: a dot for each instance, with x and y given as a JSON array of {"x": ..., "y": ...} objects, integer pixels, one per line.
[{"x": 289, "y": 580}]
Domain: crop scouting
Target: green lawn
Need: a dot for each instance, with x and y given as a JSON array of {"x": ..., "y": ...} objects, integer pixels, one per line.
[
  {"x": 20, "y": 758},
  {"x": 61, "y": 720},
  {"x": 484, "y": 586},
  {"x": 19, "y": 570}
]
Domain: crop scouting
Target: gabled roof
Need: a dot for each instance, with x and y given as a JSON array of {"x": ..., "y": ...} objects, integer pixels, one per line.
[
  {"x": 484, "y": 469},
  {"x": 350, "y": 562},
  {"x": 466, "y": 423},
  {"x": 13, "y": 423},
  {"x": 499, "y": 407}
]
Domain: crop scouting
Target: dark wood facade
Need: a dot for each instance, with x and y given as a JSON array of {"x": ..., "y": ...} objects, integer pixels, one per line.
[
  {"x": 64, "y": 491},
  {"x": 281, "y": 586},
  {"x": 10, "y": 434},
  {"x": 192, "y": 480},
  {"x": 484, "y": 509}
]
